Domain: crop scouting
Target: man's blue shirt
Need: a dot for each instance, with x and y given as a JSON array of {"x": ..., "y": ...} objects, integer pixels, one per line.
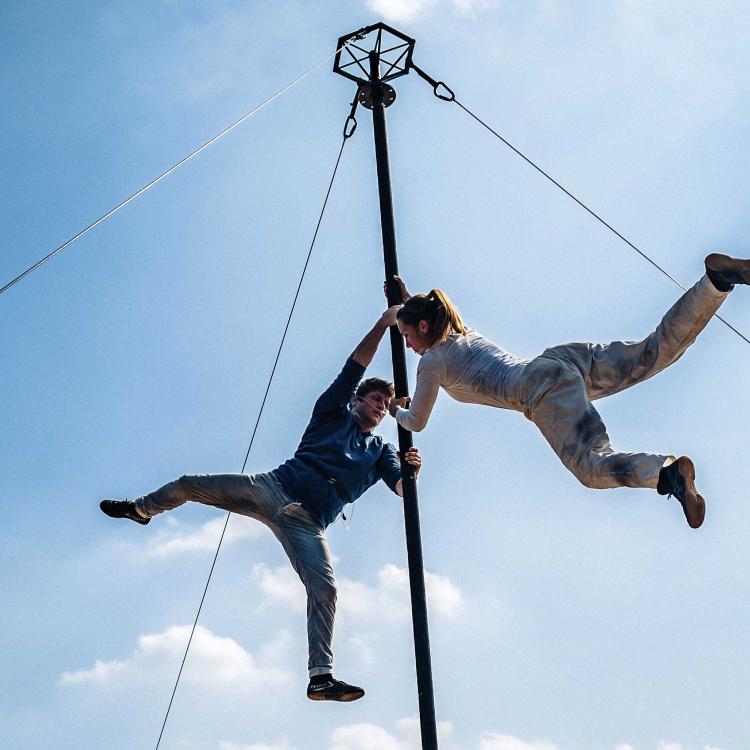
[{"x": 337, "y": 461}]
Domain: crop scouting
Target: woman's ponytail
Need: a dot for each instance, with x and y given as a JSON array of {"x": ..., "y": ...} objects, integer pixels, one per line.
[{"x": 442, "y": 316}]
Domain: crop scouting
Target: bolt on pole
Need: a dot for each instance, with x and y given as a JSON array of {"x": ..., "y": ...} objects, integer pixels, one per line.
[{"x": 375, "y": 94}]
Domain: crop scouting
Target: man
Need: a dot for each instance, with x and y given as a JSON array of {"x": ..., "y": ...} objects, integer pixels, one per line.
[{"x": 338, "y": 458}]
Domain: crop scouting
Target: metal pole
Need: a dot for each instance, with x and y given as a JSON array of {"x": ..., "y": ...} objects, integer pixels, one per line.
[{"x": 398, "y": 353}]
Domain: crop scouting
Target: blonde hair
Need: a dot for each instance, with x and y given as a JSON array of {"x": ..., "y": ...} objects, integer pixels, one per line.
[{"x": 441, "y": 315}]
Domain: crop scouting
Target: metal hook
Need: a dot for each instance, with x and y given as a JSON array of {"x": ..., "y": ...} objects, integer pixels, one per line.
[
  {"x": 446, "y": 97},
  {"x": 350, "y": 126}
]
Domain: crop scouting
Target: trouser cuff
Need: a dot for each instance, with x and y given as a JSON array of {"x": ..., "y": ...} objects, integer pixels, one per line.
[
  {"x": 139, "y": 509},
  {"x": 660, "y": 463},
  {"x": 709, "y": 287}
]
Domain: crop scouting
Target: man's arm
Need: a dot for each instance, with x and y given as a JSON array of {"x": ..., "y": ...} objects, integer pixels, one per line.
[
  {"x": 389, "y": 466},
  {"x": 365, "y": 351},
  {"x": 338, "y": 394}
]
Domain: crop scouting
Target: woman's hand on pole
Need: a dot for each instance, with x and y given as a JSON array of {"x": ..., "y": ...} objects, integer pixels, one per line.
[
  {"x": 404, "y": 292},
  {"x": 396, "y": 403}
]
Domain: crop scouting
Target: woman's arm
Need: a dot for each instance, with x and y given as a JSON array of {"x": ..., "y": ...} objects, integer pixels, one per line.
[{"x": 429, "y": 377}]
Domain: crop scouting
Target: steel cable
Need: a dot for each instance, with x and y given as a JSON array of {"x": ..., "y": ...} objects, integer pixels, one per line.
[
  {"x": 445, "y": 93},
  {"x": 347, "y": 135},
  {"x": 590, "y": 211},
  {"x": 167, "y": 172}
]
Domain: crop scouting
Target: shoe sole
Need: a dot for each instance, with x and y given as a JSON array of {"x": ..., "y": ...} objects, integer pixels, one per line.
[
  {"x": 693, "y": 505},
  {"x": 348, "y": 698},
  {"x": 720, "y": 263}
]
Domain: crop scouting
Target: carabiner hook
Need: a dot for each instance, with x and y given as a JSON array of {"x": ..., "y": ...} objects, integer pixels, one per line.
[
  {"x": 350, "y": 126},
  {"x": 446, "y": 97}
]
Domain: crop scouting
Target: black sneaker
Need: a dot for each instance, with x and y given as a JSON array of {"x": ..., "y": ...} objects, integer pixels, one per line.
[
  {"x": 725, "y": 271},
  {"x": 678, "y": 479},
  {"x": 122, "y": 509},
  {"x": 331, "y": 689}
]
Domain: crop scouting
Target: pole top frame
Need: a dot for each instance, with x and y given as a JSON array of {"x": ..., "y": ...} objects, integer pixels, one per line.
[{"x": 374, "y": 48}]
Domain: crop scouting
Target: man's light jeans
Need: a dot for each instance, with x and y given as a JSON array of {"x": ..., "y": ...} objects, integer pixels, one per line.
[{"x": 261, "y": 496}]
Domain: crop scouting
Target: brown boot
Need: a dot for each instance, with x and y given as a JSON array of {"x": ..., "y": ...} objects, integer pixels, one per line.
[
  {"x": 725, "y": 272},
  {"x": 678, "y": 479}
]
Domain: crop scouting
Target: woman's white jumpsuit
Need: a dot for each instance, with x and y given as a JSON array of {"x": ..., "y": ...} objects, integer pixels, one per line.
[{"x": 555, "y": 389}]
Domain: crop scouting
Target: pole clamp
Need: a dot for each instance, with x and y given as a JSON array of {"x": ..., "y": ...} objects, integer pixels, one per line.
[{"x": 370, "y": 94}]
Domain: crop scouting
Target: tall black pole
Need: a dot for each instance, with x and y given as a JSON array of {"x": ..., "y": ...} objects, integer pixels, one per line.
[{"x": 409, "y": 484}]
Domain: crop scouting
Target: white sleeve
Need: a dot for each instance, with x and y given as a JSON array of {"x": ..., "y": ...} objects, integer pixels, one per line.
[{"x": 429, "y": 378}]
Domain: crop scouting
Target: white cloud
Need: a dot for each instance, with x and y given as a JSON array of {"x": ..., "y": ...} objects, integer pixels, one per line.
[
  {"x": 363, "y": 649},
  {"x": 283, "y": 745},
  {"x": 373, "y": 737},
  {"x": 174, "y": 541},
  {"x": 410, "y": 10},
  {"x": 282, "y": 584},
  {"x": 101, "y": 672},
  {"x": 214, "y": 661},
  {"x": 364, "y": 737},
  {"x": 491, "y": 741},
  {"x": 412, "y": 734},
  {"x": 471, "y": 7},
  {"x": 399, "y": 10},
  {"x": 407, "y": 737},
  {"x": 388, "y": 600}
]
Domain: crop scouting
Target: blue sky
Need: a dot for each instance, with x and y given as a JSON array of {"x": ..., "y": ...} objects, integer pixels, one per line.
[{"x": 561, "y": 618}]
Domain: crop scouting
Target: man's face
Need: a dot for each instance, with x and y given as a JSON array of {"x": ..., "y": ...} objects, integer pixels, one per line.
[{"x": 370, "y": 408}]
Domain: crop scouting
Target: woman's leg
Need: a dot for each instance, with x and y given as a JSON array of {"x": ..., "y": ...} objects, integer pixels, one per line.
[
  {"x": 620, "y": 364},
  {"x": 556, "y": 400},
  {"x": 559, "y": 406}
]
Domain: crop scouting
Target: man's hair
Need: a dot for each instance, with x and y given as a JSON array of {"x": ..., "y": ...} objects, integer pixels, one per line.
[{"x": 375, "y": 384}]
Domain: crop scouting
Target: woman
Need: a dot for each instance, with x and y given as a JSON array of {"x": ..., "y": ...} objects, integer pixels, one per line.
[{"x": 555, "y": 389}]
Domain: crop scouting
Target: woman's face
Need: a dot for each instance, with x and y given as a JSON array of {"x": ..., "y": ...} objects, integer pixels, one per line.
[{"x": 415, "y": 336}]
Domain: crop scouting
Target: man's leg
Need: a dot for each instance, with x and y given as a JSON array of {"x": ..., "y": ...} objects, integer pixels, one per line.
[
  {"x": 262, "y": 496},
  {"x": 256, "y": 495},
  {"x": 305, "y": 544}
]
